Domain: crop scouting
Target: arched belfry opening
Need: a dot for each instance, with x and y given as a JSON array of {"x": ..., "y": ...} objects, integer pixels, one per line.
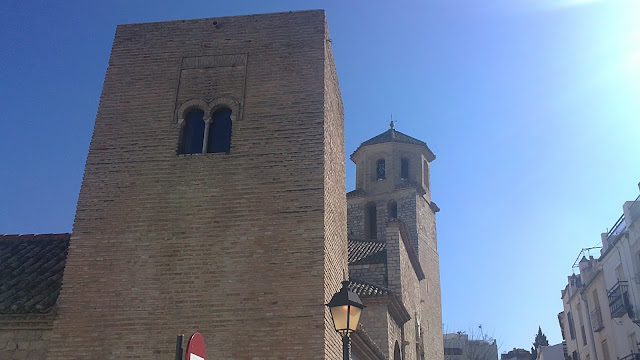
[
  {"x": 392, "y": 209},
  {"x": 380, "y": 169},
  {"x": 404, "y": 169},
  {"x": 370, "y": 221}
]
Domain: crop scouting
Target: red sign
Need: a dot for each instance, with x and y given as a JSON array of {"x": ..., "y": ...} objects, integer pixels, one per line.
[{"x": 195, "y": 349}]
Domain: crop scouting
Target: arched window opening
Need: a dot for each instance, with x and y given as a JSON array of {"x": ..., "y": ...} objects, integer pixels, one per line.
[
  {"x": 370, "y": 222},
  {"x": 380, "y": 169},
  {"x": 193, "y": 132},
  {"x": 396, "y": 352},
  {"x": 392, "y": 209},
  {"x": 219, "y": 140},
  {"x": 425, "y": 174},
  {"x": 404, "y": 169}
]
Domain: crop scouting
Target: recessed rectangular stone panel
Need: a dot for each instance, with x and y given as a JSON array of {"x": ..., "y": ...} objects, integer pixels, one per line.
[{"x": 199, "y": 62}]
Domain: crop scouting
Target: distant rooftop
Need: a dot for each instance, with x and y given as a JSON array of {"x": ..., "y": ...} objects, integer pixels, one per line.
[{"x": 621, "y": 224}]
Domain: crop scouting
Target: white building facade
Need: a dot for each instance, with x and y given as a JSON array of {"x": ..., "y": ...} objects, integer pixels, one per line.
[{"x": 601, "y": 319}]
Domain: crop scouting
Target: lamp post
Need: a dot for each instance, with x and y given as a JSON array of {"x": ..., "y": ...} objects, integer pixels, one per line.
[{"x": 346, "y": 308}]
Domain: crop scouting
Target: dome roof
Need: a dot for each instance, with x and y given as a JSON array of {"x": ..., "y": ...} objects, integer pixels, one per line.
[{"x": 393, "y": 135}]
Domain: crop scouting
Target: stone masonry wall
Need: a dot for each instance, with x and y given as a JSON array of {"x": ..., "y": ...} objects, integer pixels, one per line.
[
  {"x": 395, "y": 335},
  {"x": 404, "y": 281},
  {"x": 406, "y": 200},
  {"x": 167, "y": 244},
  {"x": 431, "y": 320},
  {"x": 375, "y": 320},
  {"x": 22, "y": 344},
  {"x": 335, "y": 202},
  {"x": 371, "y": 273},
  {"x": 355, "y": 218}
]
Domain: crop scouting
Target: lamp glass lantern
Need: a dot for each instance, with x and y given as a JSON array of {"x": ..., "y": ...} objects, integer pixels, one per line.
[{"x": 346, "y": 308}]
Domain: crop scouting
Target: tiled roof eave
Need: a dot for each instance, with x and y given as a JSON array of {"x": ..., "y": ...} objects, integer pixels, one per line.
[
  {"x": 395, "y": 136},
  {"x": 366, "y": 252},
  {"x": 367, "y": 290},
  {"x": 31, "y": 269},
  {"x": 42, "y": 321}
]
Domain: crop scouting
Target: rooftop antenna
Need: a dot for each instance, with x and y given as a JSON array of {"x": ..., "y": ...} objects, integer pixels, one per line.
[{"x": 576, "y": 264}]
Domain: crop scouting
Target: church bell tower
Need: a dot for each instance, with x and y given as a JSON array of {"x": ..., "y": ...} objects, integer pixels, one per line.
[{"x": 391, "y": 211}]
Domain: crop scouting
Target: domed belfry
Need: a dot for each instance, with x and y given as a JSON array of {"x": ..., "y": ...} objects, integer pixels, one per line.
[{"x": 393, "y": 258}]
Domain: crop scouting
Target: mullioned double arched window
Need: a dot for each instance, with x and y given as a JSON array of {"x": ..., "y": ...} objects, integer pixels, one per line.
[{"x": 206, "y": 127}]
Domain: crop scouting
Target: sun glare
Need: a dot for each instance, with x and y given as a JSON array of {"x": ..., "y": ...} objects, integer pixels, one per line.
[{"x": 571, "y": 3}]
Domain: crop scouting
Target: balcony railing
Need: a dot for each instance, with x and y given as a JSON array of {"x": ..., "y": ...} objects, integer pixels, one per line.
[
  {"x": 596, "y": 319},
  {"x": 618, "y": 227},
  {"x": 632, "y": 356},
  {"x": 619, "y": 300}
]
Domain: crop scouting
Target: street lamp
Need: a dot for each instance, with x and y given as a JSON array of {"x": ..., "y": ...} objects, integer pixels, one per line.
[{"x": 346, "y": 308}]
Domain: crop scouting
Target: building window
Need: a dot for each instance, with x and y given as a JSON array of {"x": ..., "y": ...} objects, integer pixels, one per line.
[
  {"x": 605, "y": 350},
  {"x": 620, "y": 273},
  {"x": 193, "y": 132},
  {"x": 404, "y": 169},
  {"x": 219, "y": 140},
  {"x": 584, "y": 336},
  {"x": 633, "y": 343},
  {"x": 370, "y": 222},
  {"x": 392, "y": 209},
  {"x": 452, "y": 351},
  {"x": 575, "y": 356},
  {"x": 380, "y": 169},
  {"x": 572, "y": 329},
  {"x": 396, "y": 352},
  {"x": 199, "y": 134}
]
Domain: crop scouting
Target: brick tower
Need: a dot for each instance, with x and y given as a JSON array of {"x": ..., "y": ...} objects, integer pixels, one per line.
[
  {"x": 393, "y": 258},
  {"x": 213, "y": 197}
]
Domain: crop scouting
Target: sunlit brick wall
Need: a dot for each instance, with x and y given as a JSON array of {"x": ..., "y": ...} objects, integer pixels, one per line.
[{"x": 242, "y": 247}]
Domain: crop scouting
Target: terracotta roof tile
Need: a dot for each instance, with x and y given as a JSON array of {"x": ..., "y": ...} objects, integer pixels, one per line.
[
  {"x": 365, "y": 289},
  {"x": 392, "y": 135},
  {"x": 31, "y": 268},
  {"x": 366, "y": 252}
]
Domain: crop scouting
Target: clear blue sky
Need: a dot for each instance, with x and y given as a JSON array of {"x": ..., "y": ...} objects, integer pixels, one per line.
[{"x": 531, "y": 106}]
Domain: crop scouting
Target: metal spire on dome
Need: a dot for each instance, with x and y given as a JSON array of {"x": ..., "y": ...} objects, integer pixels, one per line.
[{"x": 391, "y": 125}]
